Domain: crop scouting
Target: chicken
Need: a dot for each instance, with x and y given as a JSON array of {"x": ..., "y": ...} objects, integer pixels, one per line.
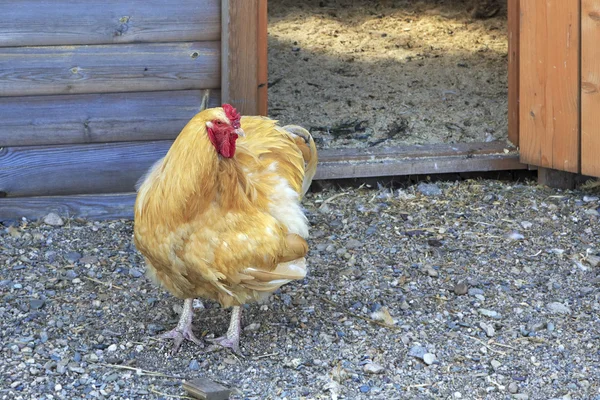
[{"x": 219, "y": 217}]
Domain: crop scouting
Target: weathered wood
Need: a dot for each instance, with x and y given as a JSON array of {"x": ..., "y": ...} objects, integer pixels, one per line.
[
  {"x": 72, "y": 22},
  {"x": 549, "y": 84},
  {"x": 95, "y": 207},
  {"x": 96, "y": 118},
  {"x": 556, "y": 179},
  {"x": 109, "y": 68},
  {"x": 513, "y": 71},
  {"x": 115, "y": 167},
  {"x": 263, "y": 58},
  {"x": 590, "y": 88},
  {"x": 205, "y": 389},
  {"x": 241, "y": 54}
]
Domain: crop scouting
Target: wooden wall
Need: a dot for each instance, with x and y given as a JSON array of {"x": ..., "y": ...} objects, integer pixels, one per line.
[
  {"x": 559, "y": 85},
  {"x": 92, "y": 94}
]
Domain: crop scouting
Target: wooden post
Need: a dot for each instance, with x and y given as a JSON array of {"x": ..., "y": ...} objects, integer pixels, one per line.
[
  {"x": 244, "y": 55},
  {"x": 590, "y": 88},
  {"x": 514, "y": 19},
  {"x": 549, "y": 103},
  {"x": 556, "y": 179}
]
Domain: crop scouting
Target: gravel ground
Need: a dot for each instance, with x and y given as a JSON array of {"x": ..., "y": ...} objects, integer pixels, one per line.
[{"x": 473, "y": 290}]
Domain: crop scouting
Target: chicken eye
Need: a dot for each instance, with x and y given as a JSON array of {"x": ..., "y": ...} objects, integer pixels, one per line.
[{"x": 219, "y": 123}]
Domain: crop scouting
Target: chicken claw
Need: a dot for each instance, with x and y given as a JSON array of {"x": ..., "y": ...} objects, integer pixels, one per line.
[
  {"x": 183, "y": 330},
  {"x": 232, "y": 339}
]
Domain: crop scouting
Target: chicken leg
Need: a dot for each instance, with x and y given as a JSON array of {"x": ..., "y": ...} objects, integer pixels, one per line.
[
  {"x": 232, "y": 338},
  {"x": 183, "y": 330}
]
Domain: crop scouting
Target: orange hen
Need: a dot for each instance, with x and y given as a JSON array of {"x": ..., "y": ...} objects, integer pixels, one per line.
[{"x": 219, "y": 217}]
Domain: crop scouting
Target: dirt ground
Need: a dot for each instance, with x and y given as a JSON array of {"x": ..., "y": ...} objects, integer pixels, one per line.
[{"x": 361, "y": 73}]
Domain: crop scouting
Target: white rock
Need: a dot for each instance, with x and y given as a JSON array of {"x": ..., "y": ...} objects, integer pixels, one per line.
[
  {"x": 429, "y": 358},
  {"x": 53, "y": 219},
  {"x": 558, "y": 308},
  {"x": 112, "y": 348},
  {"x": 373, "y": 368}
]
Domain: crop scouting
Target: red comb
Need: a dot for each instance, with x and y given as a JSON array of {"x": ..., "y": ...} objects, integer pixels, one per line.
[{"x": 233, "y": 115}]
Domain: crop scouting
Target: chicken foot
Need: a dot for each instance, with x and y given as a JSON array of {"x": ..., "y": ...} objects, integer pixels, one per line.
[
  {"x": 183, "y": 330},
  {"x": 232, "y": 337}
]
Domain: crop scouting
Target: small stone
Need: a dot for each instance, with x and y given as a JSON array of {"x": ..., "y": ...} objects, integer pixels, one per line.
[
  {"x": 496, "y": 364},
  {"x": 417, "y": 351},
  {"x": 475, "y": 292},
  {"x": 353, "y": 244},
  {"x": 429, "y": 189},
  {"x": 513, "y": 388},
  {"x": 53, "y": 219},
  {"x": 112, "y": 348},
  {"x": 194, "y": 365},
  {"x": 558, "y": 308},
  {"x": 526, "y": 224},
  {"x": 590, "y": 199},
  {"x": 457, "y": 395},
  {"x": 44, "y": 336},
  {"x": 252, "y": 327},
  {"x": 373, "y": 368},
  {"x": 490, "y": 313},
  {"x": 515, "y": 236},
  {"x": 57, "y": 387},
  {"x": 432, "y": 272},
  {"x": 136, "y": 273},
  {"x": 461, "y": 289},
  {"x": 429, "y": 358},
  {"x": 365, "y": 389},
  {"x": 36, "y": 304},
  {"x": 72, "y": 256},
  {"x": 520, "y": 396},
  {"x": 488, "y": 329}
]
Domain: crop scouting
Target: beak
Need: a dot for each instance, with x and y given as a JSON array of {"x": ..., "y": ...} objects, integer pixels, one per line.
[{"x": 240, "y": 132}]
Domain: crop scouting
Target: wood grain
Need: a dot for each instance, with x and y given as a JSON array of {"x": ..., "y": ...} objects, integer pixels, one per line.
[
  {"x": 262, "y": 58},
  {"x": 240, "y": 49},
  {"x": 115, "y": 167},
  {"x": 94, "y": 207},
  {"x": 590, "y": 88},
  {"x": 549, "y": 84},
  {"x": 72, "y": 22},
  {"x": 109, "y": 68},
  {"x": 514, "y": 19},
  {"x": 95, "y": 118}
]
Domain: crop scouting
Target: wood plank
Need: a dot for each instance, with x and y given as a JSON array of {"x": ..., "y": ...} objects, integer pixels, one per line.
[
  {"x": 590, "y": 88},
  {"x": 556, "y": 179},
  {"x": 115, "y": 167},
  {"x": 94, "y": 207},
  {"x": 240, "y": 50},
  {"x": 96, "y": 118},
  {"x": 513, "y": 71},
  {"x": 549, "y": 84},
  {"x": 109, "y": 68},
  {"x": 263, "y": 58},
  {"x": 72, "y": 22}
]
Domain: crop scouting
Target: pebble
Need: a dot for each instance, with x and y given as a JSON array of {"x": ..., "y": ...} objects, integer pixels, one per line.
[
  {"x": 194, "y": 365},
  {"x": 526, "y": 224},
  {"x": 353, "y": 244},
  {"x": 496, "y": 364},
  {"x": 460, "y": 289},
  {"x": 558, "y": 308},
  {"x": 365, "y": 389},
  {"x": 520, "y": 396},
  {"x": 373, "y": 368},
  {"x": 432, "y": 272},
  {"x": 36, "y": 304},
  {"x": 136, "y": 273},
  {"x": 252, "y": 327},
  {"x": 429, "y": 189},
  {"x": 475, "y": 292},
  {"x": 488, "y": 329},
  {"x": 429, "y": 358},
  {"x": 513, "y": 388},
  {"x": 417, "y": 351},
  {"x": 490, "y": 313},
  {"x": 72, "y": 256},
  {"x": 53, "y": 219},
  {"x": 112, "y": 348}
]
